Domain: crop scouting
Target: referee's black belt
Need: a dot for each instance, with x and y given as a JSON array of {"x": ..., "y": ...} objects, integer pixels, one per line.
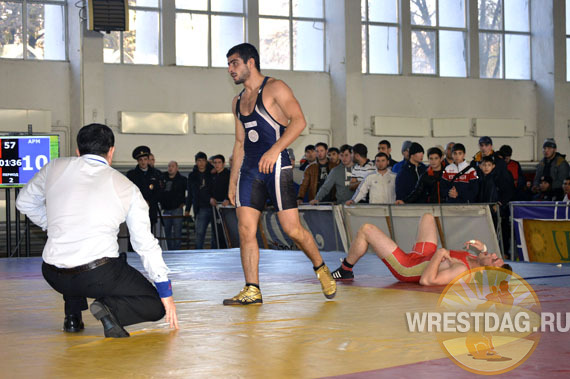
[{"x": 83, "y": 268}]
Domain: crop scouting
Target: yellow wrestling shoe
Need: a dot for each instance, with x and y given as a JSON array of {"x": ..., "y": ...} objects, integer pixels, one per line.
[
  {"x": 248, "y": 295},
  {"x": 328, "y": 284}
]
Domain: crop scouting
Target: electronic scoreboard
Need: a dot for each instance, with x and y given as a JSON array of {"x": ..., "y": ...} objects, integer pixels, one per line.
[{"x": 22, "y": 156}]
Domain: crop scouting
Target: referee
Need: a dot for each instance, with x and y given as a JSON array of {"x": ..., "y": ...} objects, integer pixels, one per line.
[{"x": 81, "y": 201}]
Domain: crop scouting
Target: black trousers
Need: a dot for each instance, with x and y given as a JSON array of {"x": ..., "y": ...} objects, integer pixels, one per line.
[{"x": 122, "y": 288}]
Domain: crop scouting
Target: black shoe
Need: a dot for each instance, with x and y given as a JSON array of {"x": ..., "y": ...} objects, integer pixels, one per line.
[
  {"x": 342, "y": 274},
  {"x": 73, "y": 323},
  {"x": 111, "y": 326}
]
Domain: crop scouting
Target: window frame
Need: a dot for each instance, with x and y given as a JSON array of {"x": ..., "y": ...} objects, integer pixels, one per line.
[
  {"x": 567, "y": 39},
  {"x": 437, "y": 28},
  {"x": 136, "y": 8},
  {"x": 290, "y": 20},
  {"x": 503, "y": 32},
  {"x": 25, "y": 29},
  {"x": 211, "y": 13},
  {"x": 366, "y": 24}
]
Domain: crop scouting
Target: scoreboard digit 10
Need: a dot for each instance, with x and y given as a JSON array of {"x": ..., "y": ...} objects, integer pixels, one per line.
[{"x": 22, "y": 156}]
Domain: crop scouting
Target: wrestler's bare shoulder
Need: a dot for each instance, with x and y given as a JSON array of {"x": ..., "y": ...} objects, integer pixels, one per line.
[{"x": 276, "y": 86}]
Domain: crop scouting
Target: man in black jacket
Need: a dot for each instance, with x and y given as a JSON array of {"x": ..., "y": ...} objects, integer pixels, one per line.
[
  {"x": 428, "y": 187},
  {"x": 220, "y": 185},
  {"x": 148, "y": 180},
  {"x": 172, "y": 201},
  {"x": 199, "y": 195}
]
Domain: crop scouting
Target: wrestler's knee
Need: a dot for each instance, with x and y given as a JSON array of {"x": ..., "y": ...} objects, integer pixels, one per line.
[
  {"x": 247, "y": 232},
  {"x": 367, "y": 229},
  {"x": 294, "y": 231}
]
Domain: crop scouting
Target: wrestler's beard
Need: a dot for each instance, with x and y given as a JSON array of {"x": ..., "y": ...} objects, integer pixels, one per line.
[{"x": 242, "y": 78}]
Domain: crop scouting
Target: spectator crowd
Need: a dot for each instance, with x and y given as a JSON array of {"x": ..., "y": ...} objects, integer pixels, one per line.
[{"x": 347, "y": 175}]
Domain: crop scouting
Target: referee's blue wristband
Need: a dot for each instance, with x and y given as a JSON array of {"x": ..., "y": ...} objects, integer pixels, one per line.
[{"x": 164, "y": 288}]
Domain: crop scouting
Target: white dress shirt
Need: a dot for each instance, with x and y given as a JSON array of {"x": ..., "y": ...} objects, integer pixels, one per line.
[
  {"x": 382, "y": 188},
  {"x": 81, "y": 201}
]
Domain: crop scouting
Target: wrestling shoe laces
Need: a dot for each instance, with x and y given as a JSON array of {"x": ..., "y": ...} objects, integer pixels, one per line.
[
  {"x": 248, "y": 295},
  {"x": 328, "y": 284},
  {"x": 343, "y": 273}
]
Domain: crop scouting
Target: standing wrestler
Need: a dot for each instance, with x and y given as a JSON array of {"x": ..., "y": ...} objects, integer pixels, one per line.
[
  {"x": 268, "y": 119},
  {"x": 425, "y": 264}
]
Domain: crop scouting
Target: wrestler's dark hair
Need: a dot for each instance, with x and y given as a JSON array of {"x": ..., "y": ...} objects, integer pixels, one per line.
[
  {"x": 507, "y": 266},
  {"x": 322, "y": 144},
  {"x": 458, "y": 147},
  {"x": 246, "y": 51},
  {"x": 434, "y": 150},
  {"x": 200, "y": 155},
  {"x": 309, "y": 147},
  {"x": 381, "y": 154},
  {"x": 95, "y": 139},
  {"x": 331, "y": 149},
  {"x": 385, "y": 142},
  {"x": 360, "y": 149},
  {"x": 219, "y": 156},
  {"x": 345, "y": 147}
]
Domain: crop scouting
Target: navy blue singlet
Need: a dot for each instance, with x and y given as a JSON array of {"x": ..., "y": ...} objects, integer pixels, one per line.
[{"x": 261, "y": 133}]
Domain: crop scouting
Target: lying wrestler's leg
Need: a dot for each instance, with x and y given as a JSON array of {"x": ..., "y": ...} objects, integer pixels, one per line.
[
  {"x": 427, "y": 229},
  {"x": 248, "y": 220},
  {"x": 289, "y": 220}
]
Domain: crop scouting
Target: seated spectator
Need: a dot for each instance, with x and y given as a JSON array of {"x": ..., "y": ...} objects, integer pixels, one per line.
[
  {"x": 546, "y": 192},
  {"x": 362, "y": 165},
  {"x": 310, "y": 157},
  {"x": 514, "y": 167},
  {"x": 428, "y": 188},
  {"x": 566, "y": 187},
  {"x": 553, "y": 165},
  {"x": 172, "y": 201},
  {"x": 338, "y": 178},
  {"x": 385, "y": 147},
  {"x": 459, "y": 182},
  {"x": 199, "y": 195},
  {"x": 406, "y": 154},
  {"x": 410, "y": 173},
  {"x": 315, "y": 175},
  {"x": 333, "y": 155},
  {"x": 380, "y": 185}
]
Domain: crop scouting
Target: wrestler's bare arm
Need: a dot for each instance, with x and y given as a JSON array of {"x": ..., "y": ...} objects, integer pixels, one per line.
[
  {"x": 283, "y": 106},
  {"x": 237, "y": 155},
  {"x": 435, "y": 275}
]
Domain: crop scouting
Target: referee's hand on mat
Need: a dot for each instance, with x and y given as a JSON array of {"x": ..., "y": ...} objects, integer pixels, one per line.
[{"x": 170, "y": 309}]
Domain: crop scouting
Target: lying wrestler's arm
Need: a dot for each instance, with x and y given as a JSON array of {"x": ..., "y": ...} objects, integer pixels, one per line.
[
  {"x": 283, "y": 97},
  {"x": 433, "y": 276},
  {"x": 237, "y": 155}
]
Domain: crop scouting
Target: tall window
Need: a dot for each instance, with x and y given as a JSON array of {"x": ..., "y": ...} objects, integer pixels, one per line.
[
  {"x": 504, "y": 39},
  {"x": 380, "y": 31},
  {"x": 292, "y": 34},
  {"x": 141, "y": 44},
  {"x": 439, "y": 35},
  {"x": 207, "y": 29},
  {"x": 33, "y": 29},
  {"x": 568, "y": 40}
]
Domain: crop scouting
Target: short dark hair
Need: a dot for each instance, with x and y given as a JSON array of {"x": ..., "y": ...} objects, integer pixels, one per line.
[
  {"x": 309, "y": 147},
  {"x": 385, "y": 142},
  {"x": 360, "y": 149},
  {"x": 488, "y": 158},
  {"x": 246, "y": 51},
  {"x": 381, "y": 154},
  {"x": 567, "y": 178},
  {"x": 434, "y": 150},
  {"x": 507, "y": 266},
  {"x": 506, "y": 150},
  {"x": 331, "y": 149},
  {"x": 322, "y": 144},
  {"x": 346, "y": 147},
  {"x": 95, "y": 139},
  {"x": 219, "y": 156},
  {"x": 458, "y": 147},
  {"x": 200, "y": 155}
]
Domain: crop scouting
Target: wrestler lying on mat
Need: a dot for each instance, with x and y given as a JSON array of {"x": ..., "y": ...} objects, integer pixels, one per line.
[{"x": 425, "y": 264}]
